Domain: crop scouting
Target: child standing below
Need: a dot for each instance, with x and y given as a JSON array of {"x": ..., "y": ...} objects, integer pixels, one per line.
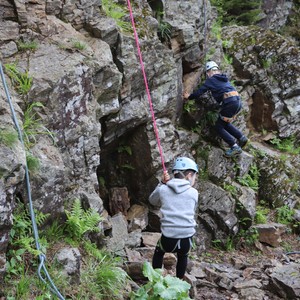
[
  {"x": 226, "y": 95},
  {"x": 178, "y": 202}
]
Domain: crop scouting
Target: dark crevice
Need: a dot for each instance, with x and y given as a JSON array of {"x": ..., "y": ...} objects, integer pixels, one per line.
[{"x": 127, "y": 162}]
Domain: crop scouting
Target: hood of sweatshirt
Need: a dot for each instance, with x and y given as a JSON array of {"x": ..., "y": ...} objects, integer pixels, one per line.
[
  {"x": 178, "y": 185},
  {"x": 221, "y": 77}
]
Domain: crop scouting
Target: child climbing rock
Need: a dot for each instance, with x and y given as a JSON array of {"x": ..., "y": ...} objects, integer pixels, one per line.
[
  {"x": 178, "y": 201},
  {"x": 230, "y": 104}
]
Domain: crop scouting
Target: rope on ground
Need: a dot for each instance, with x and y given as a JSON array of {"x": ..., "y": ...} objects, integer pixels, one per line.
[
  {"x": 292, "y": 252},
  {"x": 47, "y": 279},
  {"x": 146, "y": 85}
]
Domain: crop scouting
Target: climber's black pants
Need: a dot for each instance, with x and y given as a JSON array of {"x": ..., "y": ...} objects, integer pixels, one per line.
[{"x": 179, "y": 246}]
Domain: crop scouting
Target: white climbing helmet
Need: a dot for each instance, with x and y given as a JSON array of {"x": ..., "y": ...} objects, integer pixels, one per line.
[
  {"x": 185, "y": 163},
  {"x": 211, "y": 65}
]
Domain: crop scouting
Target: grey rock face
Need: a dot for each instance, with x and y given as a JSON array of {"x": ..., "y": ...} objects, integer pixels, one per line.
[{"x": 271, "y": 64}]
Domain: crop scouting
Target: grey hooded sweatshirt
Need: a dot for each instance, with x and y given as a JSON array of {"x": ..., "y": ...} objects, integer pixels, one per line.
[{"x": 178, "y": 201}]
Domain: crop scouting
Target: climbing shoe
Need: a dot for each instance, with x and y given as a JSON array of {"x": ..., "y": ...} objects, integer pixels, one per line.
[
  {"x": 243, "y": 141},
  {"x": 233, "y": 151}
]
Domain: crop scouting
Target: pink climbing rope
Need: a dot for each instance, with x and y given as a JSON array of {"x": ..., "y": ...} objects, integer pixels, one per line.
[{"x": 146, "y": 85}]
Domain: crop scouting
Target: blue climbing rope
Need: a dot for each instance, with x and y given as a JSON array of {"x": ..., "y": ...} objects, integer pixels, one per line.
[
  {"x": 292, "y": 252},
  {"x": 47, "y": 278}
]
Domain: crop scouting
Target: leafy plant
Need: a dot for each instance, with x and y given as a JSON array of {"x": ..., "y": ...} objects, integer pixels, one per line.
[
  {"x": 101, "y": 181},
  {"x": 126, "y": 149},
  {"x": 226, "y": 44},
  {"x": 286, "y": 145},
  {"x": 266, "y": 63},
  {"x": 164, "y": 31},
  {"x": 209, "y": 118},
  {"x": 8, "y": 137},
  {"x": 21, "y": 240},
  {"x": 203, "y": 151},
  {"x": 203, "y": 174},
  {"x": 33, "y": 163},
  {"x": 197, "y": 129},
  {"x": 238, "y": 12},
  {"x": 244, "y": 222},
  {"x": 261, "y": 215},
  {"x": 21, "y": 80},
  {"x": 293, "y": 22},
  {"x": 258, "y": 153},
  {"x": 32, "y": 125},
  {"x": 216, "y": 30},
  {"x": 248, "y": 237},
  {"x": 284, "y": 214},
  {"x": 160, "y": 287},
  {"x": 23, "y": 287},
  {"x": 209, "y": 55},
  {"x": 216, "y": 244},
  {"x": 23, "y": 46},
  {"x": 190, "y": 106},
  {"x": 227, "y": 246},
  {"x": 107, "y": 275},
  {"x": 80, "y": 221},
  {"x": 227, "y": 60},
  {"x": 110, "y": 278},
  {"x": 127, "y": 167},
  {"x": 15, "y": 262},
  {"x": 78, "y": 45},
  {"x": 250, "y": 179},
  {"x": 230, "y": 188},
  {"x": 117, "y": 12},
  {"x": 54, "y": 232}
]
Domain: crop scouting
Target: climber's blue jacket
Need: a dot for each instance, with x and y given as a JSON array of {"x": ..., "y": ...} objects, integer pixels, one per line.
[{"x": 218, "y": 84}]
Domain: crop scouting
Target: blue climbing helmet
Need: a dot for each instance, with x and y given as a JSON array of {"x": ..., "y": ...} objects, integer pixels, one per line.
[{"x": 185, "y": 163}]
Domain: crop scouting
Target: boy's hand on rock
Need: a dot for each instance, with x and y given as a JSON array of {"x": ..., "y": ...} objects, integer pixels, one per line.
[{"x": 186, "y": 96}]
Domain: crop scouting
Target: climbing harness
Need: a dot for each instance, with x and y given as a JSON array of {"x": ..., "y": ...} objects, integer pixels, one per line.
[
  {"x": 177, "y": 245},
  {"x": 47, "y": 280},
  {"x": 231, "y": 119},
  {"x": 230, "y": 94},
  {"x": 146, "y": 85},
  {"x": 228, "y": 120}
]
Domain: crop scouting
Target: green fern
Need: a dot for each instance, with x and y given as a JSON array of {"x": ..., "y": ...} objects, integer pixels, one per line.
[
  {"x": 80, "y": 221},
  {"x": 286, "y": 145},
  {"x": 117, "y": 12},
  {"x": 285, "y": 214},
  {"x": 251, "y": 179}
]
